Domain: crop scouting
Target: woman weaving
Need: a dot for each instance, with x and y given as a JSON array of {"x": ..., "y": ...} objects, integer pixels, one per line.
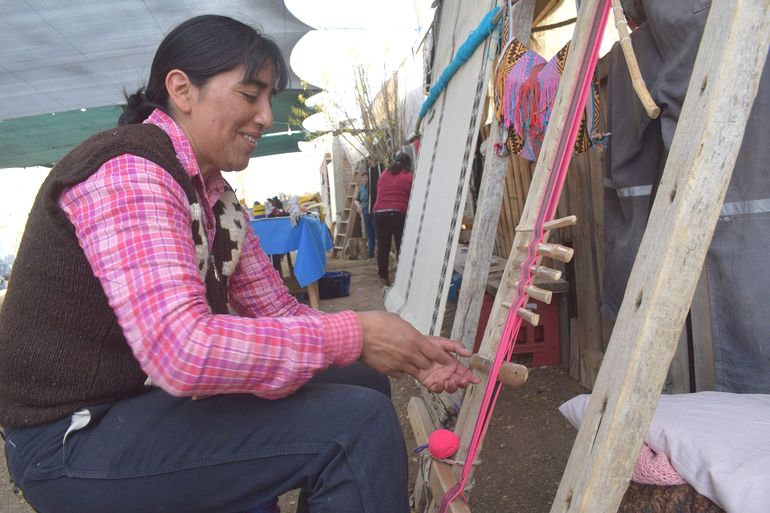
[{"x": 139, "y": 286}]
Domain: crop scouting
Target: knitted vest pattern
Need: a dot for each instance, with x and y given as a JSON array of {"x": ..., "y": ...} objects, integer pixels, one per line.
[{"x": 62, "y": 348}]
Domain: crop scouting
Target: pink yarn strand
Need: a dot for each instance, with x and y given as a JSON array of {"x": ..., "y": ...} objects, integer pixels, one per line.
[{"x": 546, "y": 211}]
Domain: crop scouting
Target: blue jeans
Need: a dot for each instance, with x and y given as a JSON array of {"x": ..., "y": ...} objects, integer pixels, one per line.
[
  {"x": 340, "y": 444},
  {"x": 371, "y": 234}
]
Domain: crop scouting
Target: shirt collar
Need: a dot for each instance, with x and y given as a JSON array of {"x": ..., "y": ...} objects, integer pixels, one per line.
[{"x": 183, "y": 148}]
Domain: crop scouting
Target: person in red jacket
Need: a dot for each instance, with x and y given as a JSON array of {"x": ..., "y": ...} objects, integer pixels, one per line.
[{"x": 393, "y": 190}]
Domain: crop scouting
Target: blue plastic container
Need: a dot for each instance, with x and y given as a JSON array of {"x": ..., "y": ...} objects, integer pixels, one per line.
[
  {"x": 454, "y": 286},
  {"x": 334, "y": 284}
]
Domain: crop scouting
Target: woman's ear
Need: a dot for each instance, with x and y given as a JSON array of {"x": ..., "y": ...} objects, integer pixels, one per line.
[{"x": 179, "y": 90}]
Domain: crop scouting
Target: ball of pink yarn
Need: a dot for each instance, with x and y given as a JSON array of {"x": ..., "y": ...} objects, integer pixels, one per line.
[{"x": 443, "y": 443}]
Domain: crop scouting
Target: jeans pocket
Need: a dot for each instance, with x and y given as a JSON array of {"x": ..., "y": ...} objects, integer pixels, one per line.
[{"x": 34, "y": 453}]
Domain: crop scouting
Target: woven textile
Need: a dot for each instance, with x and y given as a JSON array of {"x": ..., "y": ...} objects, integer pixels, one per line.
[
  {"x": 525, "y": 90},
  {"x": 525, "y": 87},
  {"x": 655, "y": 469}
]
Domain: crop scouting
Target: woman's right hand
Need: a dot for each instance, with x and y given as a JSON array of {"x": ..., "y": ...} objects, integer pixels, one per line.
[{"x": 392, "y": 346}]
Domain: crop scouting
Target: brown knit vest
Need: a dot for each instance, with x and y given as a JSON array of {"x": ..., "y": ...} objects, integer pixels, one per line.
[{"x": 61, "y": 347}]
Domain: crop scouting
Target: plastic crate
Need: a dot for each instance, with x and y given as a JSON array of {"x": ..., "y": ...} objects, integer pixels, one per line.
[
  {"x": 541, "y": 342},
  {"x": 334, "y": 284}
]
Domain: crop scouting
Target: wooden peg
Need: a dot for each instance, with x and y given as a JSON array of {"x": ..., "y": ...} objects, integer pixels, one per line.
[
  {"x": 513, "y": 374},
  {"x": 506, "y": 304},
  {"x": 653, "y": 111},
  {"x": 555, "y": 251},
  {"x": 546, "y": 273},
  {"x": 529, "y": 316},
  {"x": 542, "y": 295},
  {"x": 562, "y": 222}
]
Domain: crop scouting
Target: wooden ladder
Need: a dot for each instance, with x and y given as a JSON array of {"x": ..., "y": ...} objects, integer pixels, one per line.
[
  {"x": 662, "y": 281},
  {"x": 345, "y": 226}
]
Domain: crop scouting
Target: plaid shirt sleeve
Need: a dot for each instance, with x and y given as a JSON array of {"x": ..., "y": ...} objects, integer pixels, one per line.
[{"x": 133, "y": 223}]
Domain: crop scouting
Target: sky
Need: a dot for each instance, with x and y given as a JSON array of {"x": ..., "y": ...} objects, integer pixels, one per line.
[
  {"x": 19, "y": 187},
  {"x": 291, "y": 173}
]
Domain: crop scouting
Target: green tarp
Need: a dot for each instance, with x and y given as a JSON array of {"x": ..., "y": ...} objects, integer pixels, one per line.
[{"x": 42, "y": 140}]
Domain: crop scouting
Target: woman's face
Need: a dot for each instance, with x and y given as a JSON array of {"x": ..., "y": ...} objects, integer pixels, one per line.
[{"x": 227, "y": 117}]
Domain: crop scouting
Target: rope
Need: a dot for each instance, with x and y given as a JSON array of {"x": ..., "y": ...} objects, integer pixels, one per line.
[
  {"x": 543, "y": 28},
  {"x": 546, "y": 211},
  {"x": 466, "y": 50}
]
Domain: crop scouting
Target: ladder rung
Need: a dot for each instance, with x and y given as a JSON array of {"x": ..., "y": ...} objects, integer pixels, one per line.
[
  {"x": 555, "y": 251},
  {"x": 513, "y": 374},
  {"x": 529, "y": 316},
  {"x": 546, "y": 273},
  {"x": 560, "y": 223},
  {"x": 541, "y": 295}
]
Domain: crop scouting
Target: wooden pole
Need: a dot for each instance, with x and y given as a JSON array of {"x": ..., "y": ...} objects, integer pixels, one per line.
[
  {"x": 546, "y": 165},
  {"x": 633, "y": 66},
  {"x": 722, "y": 88}
]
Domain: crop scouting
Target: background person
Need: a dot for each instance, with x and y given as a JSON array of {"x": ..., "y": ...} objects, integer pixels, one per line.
[
  {"x": 364, "y": 204},
  {"x": 393, "y": 189},
  {"x": 140, "y": 285}
]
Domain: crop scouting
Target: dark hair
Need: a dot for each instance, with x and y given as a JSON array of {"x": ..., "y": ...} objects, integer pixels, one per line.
[
  {"x": 395, "y": 168},
  {"x": 404, "y": 159},
  {"x": 203, "y": 47}
]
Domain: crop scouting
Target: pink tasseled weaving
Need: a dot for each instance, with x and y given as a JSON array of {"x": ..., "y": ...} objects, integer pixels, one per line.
[
  {"x": 530, "y": 89},
  {"x": 654, "y": 469},
  {"x": 525, "y": 90}
]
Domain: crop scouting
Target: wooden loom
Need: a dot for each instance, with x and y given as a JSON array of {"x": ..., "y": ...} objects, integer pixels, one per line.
[{"x": 662, "y": 282}]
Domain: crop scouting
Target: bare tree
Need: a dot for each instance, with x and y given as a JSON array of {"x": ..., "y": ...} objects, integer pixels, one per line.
[{"x": 378, "y": 129}]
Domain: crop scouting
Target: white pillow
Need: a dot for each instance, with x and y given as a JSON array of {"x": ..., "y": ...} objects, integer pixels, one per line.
[{"x": 717, "y": 441}]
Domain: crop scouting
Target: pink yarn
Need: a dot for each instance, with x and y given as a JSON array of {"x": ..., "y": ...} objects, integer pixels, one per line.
[
  {"x": 654, "y": 469},
  {"x": 556, "y": 175},
  {"x": 443, "y": 443}
]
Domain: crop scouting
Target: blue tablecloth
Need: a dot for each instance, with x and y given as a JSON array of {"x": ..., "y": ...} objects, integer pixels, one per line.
[{"x": 310, "y": 239}]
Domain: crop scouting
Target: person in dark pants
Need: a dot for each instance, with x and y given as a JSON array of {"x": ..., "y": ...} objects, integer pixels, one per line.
[
  {"x": 364, "y": 205},
  {"x": 393, "y": 189},
  {"x": 152, "y": 359}
]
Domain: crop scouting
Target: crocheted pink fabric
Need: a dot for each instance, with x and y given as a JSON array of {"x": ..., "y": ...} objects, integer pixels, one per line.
[{"x": 655, "y": 469}]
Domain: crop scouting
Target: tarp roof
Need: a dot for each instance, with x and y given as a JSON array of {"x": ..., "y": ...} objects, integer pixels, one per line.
[
  {"x": 42, "y": 140},
  {"x": 61, "y": 57}
]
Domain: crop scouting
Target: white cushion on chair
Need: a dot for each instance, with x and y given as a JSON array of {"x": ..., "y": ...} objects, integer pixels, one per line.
[{"x": 717, "y": 441}]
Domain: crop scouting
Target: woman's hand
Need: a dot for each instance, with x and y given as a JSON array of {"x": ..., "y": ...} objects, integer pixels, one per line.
[{"x": 394, "y": 347}]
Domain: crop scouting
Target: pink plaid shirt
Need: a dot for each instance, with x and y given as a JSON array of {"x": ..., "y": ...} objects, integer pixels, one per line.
[{"x": 132, "y": 220}]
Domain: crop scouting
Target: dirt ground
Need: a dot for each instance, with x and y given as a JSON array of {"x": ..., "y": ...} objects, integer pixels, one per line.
[
  {"x": 526, "y": 446},
  {"x": 528, "y": 441}
]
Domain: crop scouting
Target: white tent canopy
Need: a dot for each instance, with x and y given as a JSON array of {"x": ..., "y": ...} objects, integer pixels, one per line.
[{"x": 60, "y": 56}]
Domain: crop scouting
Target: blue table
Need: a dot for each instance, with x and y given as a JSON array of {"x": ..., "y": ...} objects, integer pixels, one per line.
[{"x": 310, "y": 239}]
